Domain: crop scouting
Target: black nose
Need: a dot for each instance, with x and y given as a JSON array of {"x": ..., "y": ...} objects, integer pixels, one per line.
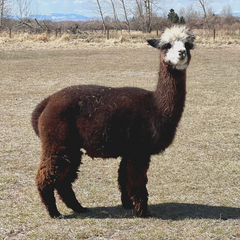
[{"x": 182, "y": 53}]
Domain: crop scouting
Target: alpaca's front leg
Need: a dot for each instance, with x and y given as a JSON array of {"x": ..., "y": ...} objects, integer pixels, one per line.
[
  {"x": 122, "y": 182},
  {"x": 136, "y": 187}
]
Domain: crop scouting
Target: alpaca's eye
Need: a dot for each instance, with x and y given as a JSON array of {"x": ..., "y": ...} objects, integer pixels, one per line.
[{"x": 167, "y": 46}]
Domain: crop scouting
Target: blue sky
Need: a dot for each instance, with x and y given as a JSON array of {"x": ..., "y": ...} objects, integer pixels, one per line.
[{"x": 85, "y": 7}]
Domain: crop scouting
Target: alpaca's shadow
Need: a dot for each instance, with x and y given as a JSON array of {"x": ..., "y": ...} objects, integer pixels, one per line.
[{"x": 165, "y": 211}]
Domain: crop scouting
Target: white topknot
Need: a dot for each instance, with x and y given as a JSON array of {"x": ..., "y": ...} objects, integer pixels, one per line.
[{"x": 179, "y": 33}]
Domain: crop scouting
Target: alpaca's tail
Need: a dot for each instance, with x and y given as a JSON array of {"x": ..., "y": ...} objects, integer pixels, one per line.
[{"x": 36, "y": 114}]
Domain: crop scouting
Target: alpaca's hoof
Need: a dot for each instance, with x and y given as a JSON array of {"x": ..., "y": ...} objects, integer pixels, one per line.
[{"x": 55, "y": 214}]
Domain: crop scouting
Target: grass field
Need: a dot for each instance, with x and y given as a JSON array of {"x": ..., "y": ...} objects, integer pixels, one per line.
[{"x": 194, "y": 186}]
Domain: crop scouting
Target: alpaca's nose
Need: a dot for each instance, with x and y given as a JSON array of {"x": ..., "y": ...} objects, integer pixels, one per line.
[{"x": 182, "y": 54}]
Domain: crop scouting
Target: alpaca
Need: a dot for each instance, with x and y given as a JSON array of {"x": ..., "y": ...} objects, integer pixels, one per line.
[{"x": 127, "y": 122}]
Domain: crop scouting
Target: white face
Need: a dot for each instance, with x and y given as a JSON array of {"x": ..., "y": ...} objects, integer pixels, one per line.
[
  {"x": 175, "y": 44},
  {"x": 177, "y": 55}
]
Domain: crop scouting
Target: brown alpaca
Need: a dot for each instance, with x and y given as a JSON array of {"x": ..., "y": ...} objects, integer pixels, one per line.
[{"x": 110, "y": 122}]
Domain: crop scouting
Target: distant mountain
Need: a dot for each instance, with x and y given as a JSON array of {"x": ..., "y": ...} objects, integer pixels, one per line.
[
  {"x": 236, "y": 14},
  {"x": 60, "y": 17},
  {"x": 71, "y": 17}
]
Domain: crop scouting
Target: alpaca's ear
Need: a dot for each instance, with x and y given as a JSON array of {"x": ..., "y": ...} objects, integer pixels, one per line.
[{"x": 154, "y": 43}]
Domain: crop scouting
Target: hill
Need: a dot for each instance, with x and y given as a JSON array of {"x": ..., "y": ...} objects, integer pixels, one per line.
[{"x": 60, "y": 17}]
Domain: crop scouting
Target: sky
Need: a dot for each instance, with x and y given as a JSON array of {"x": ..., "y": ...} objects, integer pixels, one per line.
[{"x": 85, "y": 7}]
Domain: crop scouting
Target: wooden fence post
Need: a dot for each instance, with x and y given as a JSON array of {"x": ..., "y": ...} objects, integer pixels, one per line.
[
  {"x": 214, "y": 34},
  {"x": 108, "y": 34}
]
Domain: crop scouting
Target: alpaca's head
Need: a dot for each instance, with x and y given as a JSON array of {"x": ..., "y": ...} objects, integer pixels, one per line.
[{"x": 175, "y": 44}]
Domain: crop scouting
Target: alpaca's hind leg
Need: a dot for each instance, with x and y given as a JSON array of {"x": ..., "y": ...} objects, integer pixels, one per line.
[
  {"x": 67, "y": 195},
  {"x": 65, "y": 190},
  {"x": 45, "y": 186},
  {"x": 136, "y": 186},
  {"x": 57, "y": 170},
  {"x": 122, "y": 182}
]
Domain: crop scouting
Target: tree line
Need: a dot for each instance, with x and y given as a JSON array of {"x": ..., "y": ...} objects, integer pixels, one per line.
[
  {"x": 148, "y": 15},
  {"x": 140, "y": 15}
]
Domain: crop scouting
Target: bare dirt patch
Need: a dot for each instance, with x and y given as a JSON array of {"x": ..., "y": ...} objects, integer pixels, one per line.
[{"x": 194, "y": 186}]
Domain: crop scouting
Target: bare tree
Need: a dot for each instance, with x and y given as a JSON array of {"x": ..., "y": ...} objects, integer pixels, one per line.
[
  {"x": 204, "y": 5},
  {"x": 148, "y": 10},
  {"x": 5, "y": 9},
  {"x": 139, "y": 8},
  {"x": 191, "y": 13},
  {"x": 116, "y": 20},
  {"x": 2, "y": 8},
  {"x": 137, "y": 11},
  {"x": 101, "y": 14},
  {"x": 182, "y": 12},
  {"x": 228, "y": 15},
  {"x": 226, "y": 11},
  {"x": 125, "y": 15},
  {"x": 24, "y": 9}
]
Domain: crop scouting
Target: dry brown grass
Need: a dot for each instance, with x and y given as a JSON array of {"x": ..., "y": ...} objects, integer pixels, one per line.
[
  {"x": 222, "y": 37},
  {"x": 20, "y": 41},
  {"x": 194, "y": 186}
]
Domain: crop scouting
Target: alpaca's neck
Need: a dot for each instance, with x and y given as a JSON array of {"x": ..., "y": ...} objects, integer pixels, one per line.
[{"x": 170, "y": 93}]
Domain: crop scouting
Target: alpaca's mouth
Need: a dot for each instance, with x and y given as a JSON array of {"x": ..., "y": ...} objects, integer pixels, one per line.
[
  {"x": 180, "y": 65},
  {"x": 176, "y": 59},
  {"x": 182, "y": 57},
  {"x": 181, "y": 61}
]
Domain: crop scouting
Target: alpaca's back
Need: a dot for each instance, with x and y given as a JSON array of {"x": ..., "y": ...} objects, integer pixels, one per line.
[{"x": 111, "y": 122}]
